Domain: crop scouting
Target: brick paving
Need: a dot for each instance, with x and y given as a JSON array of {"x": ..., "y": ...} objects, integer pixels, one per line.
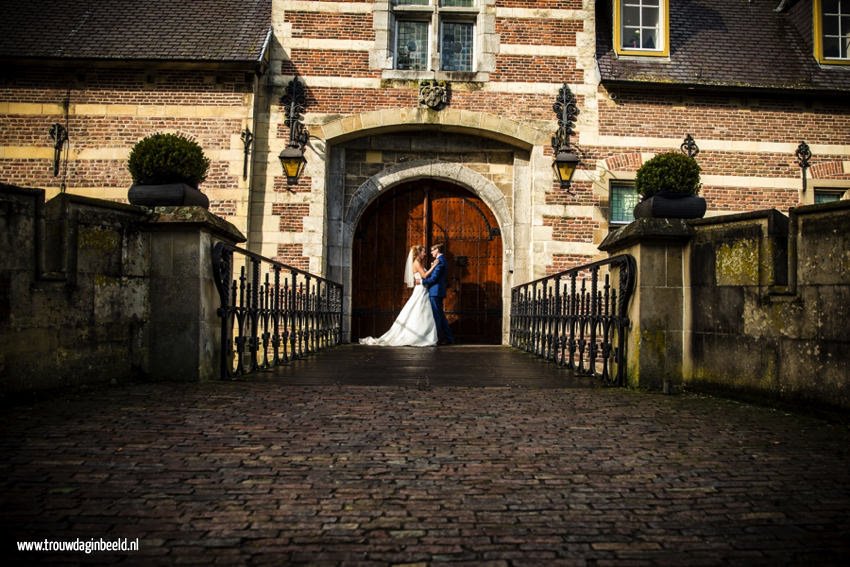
[{"x": 526, "y": 469}]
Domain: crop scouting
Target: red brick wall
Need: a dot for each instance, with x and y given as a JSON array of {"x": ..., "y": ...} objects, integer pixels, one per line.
[
  {"x": 292, "y": 255},
  {"x": 325, "y": 25},
  {"x": 749, "y": 198},
  {"x": 541, "y": 4},
  {"x": 291, "y": 215},
  {"x": 329, "y": 63},
  {"x": 725, "y": 118},
  {"x": 572, "y": 229},
  {"x": 223, "y": 208},
  {"x": 579, "y": 193},
  {"x": 524, "y": 68},
  {"x": 562, "y": 262},
  {"x": 116, "y": 131},
  {"x": 828, "y": 170},
  {"x": 304, "y": 185},
  {"x": 527, "y": 31}
]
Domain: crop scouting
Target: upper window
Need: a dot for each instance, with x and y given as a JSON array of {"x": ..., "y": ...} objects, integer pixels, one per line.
[
  {"x": 434, "y": 35},
  {"x": 832, "y": 31},
  {"x": 641, "y": 27}
]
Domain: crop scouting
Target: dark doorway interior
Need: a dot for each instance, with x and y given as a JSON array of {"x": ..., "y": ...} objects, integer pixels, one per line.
[{"x": 426, "y": 212}]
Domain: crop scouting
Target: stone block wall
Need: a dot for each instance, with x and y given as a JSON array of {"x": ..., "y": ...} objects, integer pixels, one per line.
[
  {"x": 74, "y": 297},
  {"x": 94, "y": 292},
  {"x": 770, "y": 300}
]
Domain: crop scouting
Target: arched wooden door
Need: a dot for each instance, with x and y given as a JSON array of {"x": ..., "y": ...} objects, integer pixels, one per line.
[{"x": 426, "y": 212}]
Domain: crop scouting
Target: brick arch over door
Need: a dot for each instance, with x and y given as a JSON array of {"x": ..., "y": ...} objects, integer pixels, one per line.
[{"x": 454, "y": 173}]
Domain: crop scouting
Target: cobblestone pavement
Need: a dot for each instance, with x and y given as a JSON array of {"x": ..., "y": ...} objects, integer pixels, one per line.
[{"x": 270, "y": 471}]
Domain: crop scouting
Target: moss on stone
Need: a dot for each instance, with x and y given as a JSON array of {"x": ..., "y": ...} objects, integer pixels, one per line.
[
  {"x": 99, "y": 240},
  {"x": 737, "y": 263}
]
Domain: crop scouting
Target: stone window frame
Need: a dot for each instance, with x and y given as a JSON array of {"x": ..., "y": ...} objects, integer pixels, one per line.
[
  {"x": 662, "y": 49},
  {"x": 819, "y": 32},
  {"x": 483, "y": 13}
]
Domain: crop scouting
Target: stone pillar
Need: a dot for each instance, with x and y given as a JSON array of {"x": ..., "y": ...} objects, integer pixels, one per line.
[
  {"x": 657, "y": 348},
  {"x": 184, "y": 332}
]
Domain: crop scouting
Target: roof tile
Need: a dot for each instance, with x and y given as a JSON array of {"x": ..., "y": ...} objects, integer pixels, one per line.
[
  {"x": 727, "y": 43},
  {"x": 191, "y": 30}
]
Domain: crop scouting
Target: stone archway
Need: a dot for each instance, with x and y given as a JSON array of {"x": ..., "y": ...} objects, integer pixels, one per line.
[{"x": 341, "y": 240}]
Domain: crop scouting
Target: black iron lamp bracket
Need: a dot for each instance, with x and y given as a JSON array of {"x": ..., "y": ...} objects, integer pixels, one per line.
[
  {"x": 566, "y": 111},
  {"x": 59, "y": 135},
  {"x": 247, "y": 139},
  {"x": 294, "y": 106},
  {"x": 804, "y": 158},
  {"x": 689, "y": 147}
]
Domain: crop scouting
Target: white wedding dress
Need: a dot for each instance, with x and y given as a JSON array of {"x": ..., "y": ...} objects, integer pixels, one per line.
[{"x": 415, "y": 325}]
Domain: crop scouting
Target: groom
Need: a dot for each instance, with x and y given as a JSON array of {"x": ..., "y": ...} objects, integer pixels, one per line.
[{"x": 436, "y": 284}]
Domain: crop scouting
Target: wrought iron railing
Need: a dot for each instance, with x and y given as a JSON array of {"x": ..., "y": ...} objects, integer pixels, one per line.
[
  {"x": 271, "y": 313},
  {"x": 567, "y": 319}
]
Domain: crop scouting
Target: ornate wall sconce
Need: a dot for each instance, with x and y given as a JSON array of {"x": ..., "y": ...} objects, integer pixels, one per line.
[
  {"x": 59, "y": 135},
  {"x": 689, "y": 147},
  {"x": 292, "y": 157},
  {"x": 566, "y": 157},
  {"x": 247, "y": 140},
  {"x": 804, "y": 156}
]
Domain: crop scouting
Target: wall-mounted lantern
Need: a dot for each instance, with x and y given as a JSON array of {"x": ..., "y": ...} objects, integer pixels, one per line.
[
  {"x": 292, "y": 157},
  {"x": 566, "y": 157},
  {"x": 804, "y": 156}
]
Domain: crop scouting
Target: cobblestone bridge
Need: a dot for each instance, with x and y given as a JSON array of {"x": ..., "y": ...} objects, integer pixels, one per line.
[{"x": 473, "y": 455}]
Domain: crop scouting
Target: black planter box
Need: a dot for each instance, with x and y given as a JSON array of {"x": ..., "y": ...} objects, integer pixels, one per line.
[
  {"x": 168, "y": 195},
  {"x": 671, "y": 207}
]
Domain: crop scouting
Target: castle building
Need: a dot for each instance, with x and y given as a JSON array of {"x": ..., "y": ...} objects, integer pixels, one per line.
[{"x": 432, "y": 121}]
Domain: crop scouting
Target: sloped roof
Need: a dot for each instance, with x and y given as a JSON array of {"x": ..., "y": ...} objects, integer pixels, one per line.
[
  {"x": 727, "y": 43},
  {"x": 159, "y": 30}
]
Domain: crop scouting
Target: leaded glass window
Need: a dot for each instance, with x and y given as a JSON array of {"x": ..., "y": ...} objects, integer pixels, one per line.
[
  {"x": 623, "y": 199},
  {"x": 456, "y": 46},
  {"x": 434, "y": 33},
  {"x": 411, "y": 45}
]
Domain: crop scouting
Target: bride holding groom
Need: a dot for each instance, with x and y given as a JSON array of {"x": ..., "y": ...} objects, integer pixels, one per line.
[{"x": 421, "y": 321}]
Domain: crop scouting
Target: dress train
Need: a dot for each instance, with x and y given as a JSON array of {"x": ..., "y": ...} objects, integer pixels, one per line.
[{"x": 414, "y": 325}]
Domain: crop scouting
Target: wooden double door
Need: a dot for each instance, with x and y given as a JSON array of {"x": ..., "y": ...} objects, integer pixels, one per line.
[{"x": 428, "y": 212}]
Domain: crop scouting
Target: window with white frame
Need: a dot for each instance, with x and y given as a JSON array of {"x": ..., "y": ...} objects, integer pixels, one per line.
[
  {"x": 641, "y": 27},
  {"x": 433, "y": 35},
  {"x": 622, "y": 200},
  {"x": 832, "y": 27}
]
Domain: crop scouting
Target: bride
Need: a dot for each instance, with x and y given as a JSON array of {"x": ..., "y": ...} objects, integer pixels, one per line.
[{"x": 415, "y": 325}]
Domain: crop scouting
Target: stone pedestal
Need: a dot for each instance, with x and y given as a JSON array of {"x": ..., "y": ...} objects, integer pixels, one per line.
[
  {"x": 184, "y": 331},
  {"x": 657, "y": 345}
]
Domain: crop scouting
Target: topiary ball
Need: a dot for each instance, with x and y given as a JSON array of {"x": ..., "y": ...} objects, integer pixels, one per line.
[
  {"x": 168, "y": 158},
  {"x": 670, "y": 172}
]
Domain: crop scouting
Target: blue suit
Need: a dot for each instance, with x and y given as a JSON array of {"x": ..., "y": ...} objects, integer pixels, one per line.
[{"x": 437, "y": 283}]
